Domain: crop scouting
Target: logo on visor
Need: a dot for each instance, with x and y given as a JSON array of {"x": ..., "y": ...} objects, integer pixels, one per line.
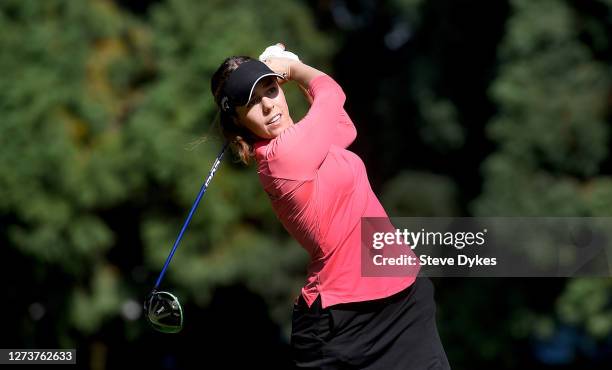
[{"x": 225, "y": 104}]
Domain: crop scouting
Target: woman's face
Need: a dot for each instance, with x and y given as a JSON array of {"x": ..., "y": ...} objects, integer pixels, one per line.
[{"x": 266, "y": 114}]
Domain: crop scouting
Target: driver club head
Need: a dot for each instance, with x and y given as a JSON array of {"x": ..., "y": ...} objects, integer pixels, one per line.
[{"x": 164, "y": 311}]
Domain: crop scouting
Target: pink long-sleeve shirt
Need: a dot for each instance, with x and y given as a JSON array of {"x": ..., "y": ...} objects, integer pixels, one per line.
[{"x": 320, "y": 191}]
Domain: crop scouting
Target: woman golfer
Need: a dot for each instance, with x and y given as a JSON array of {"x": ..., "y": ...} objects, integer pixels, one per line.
[{"x": 320, "y": 191}]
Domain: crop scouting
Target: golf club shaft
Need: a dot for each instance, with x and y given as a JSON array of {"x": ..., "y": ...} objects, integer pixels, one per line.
[{"x": 191, "y": 212}]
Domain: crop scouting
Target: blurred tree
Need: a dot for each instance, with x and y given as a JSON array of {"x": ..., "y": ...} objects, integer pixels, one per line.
[
  {"x": 59, "y": 163},
  {"x": 416, "y": 194},
  {"x": 552, "y": 130}
]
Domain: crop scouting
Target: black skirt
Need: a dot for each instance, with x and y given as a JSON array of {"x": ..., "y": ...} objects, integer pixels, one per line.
[{"x": 396, "y": 332}]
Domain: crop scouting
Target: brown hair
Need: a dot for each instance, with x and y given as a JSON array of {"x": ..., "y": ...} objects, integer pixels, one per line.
[{"x": 240, "y": 138}]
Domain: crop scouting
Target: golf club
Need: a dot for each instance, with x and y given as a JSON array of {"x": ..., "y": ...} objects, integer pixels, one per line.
[{"x": 163, "y": 309}]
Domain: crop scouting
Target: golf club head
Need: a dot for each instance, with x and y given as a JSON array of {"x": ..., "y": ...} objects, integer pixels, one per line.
[{"x": 164, "y": 311}]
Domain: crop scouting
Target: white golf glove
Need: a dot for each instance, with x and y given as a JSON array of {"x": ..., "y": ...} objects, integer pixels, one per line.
[{"x": 277, "y": 51}]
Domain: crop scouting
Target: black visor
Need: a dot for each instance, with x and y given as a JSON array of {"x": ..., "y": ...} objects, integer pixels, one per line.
[{"x": 239, "y": 87}]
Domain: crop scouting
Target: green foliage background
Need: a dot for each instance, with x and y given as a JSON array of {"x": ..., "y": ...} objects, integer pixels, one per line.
[{"x": 104, "y": 104}]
